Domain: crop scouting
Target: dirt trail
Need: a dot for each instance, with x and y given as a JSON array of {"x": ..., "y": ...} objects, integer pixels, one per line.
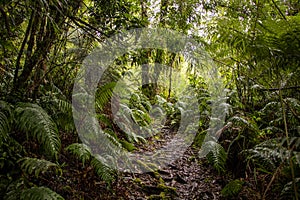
[{"x": 186, "y": 178}]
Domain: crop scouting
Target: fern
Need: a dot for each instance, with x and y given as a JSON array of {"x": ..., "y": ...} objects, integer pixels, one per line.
[
  {"x": 232, "y": 189},
  {"x": 5, "y": 108},
  {"x": 102, "y": 170},
  {"x": 141, "y": 118},
  {"x": 104, "y": 119},
  {"x": 216, "y": 155},
  {"x": 243, "y": 122},
  {"x": 288, "y": 190},
  {"x": 5, "y": 122},
  {"x": 38, "y": 193},
  {"x": 111, "y": 135},
  {"x": 269, "y": 154},
  {"x": 124, "y": 118},
  {"x": 82, "y": 151},
  {"x": 104, "y": 94},
  {"x": 35, "y": 121},
  {"x": 61, "y": 112},
  {"x": 14, "y": 189},
  {"x": 35, "y": 166}
]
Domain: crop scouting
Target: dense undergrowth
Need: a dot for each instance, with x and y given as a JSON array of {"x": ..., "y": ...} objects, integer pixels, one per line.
[{"x": 255, "y": 45}]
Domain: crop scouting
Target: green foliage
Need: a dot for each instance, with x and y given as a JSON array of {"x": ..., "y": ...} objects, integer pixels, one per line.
[
  {"x": 198, "y": 140},
  {"x": 126, "y": 121},
  {"x": 35, "y": 166},
  {"x": 232, "y": 189},
  {"x": 81, "y": 151},
  {"x": 103, "y": 95},
  {"x": 127, "y": 145},
  {"x": 255, "y": 43},
  {"x": 5, "y": 122},
  {"x": 216, "y": 156},
  {"x": 270, "y": 154},
  {"x": 37, "y": 193},
  {"x": 102, "y": 170},
  {"x": 105, "y": 120},
  {"x": 288, "y": 189},
  {"x": 34, "y": 121},
  {"x": 60, "y": 111}
]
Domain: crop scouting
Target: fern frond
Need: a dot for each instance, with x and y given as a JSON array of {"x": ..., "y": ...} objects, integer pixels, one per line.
[
  {"x": 111, "y": 135},
  {"x": 35, "y": 121},
  {"x": 14, "y": 189},
  {"x": 35, "y": 166},
  {"x": 61, "y": 112},
  {"x": 104, "y": 94},
  {"x": 295, "y": 103},
  {"x": 81, "y": 151},
  {"x": 232, "y": 189},
  {"x": 288, "y": 191},
  {"x": 4, "y": 128},
  {"x": 104, "y": 119},
  {"x": 38, "y": 193},
  {"x": 271, "y": 106},
  {"x": 64, "y": 116},
  {"x": 216, "y": 156},
  {"x": 141, "y": 118},
  {"x": 243, "y": 122},
  {"x": 6, "y": 108},
  {"x": 102, "y": 170},
  {"x": 269, "y": 154}
]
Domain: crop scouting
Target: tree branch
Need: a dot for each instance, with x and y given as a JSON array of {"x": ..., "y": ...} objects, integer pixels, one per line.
[
  {"x": 5, "y": 20},
  {"x": 22, "y": 48}
]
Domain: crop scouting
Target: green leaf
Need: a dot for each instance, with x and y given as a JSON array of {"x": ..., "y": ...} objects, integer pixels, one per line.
[
  {"x": 38, "y": 193},
  {"x": 35, "y": 166},
  {"x": 232, "y": 189},
  {"x": 216, "y": 156},
  {"x": 34, "y": 120},
  {"x": 82, "y": 151},
  {"x": 106, "y": 173},
  {"x": 104, "y": 94}
]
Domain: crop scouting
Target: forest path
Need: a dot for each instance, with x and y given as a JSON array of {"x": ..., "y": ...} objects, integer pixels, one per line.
[{"x": 188, "y": 177}]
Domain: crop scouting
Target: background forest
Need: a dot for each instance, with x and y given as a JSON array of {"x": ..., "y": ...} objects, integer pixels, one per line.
[{"x": 255, "y": 44}]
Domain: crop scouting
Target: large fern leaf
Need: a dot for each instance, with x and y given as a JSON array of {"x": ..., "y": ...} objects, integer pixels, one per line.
[
  {"x": 232, "y": 189},
  {"x": 35, "y": 121},
  {"x": 38, "y": 193},
  {"x": 35, "y": 166},
  {"x": 61, "y": 112},
  {"x": 5, "y": 122},
  {"x": 216, "y": 156},
  {"x": 104, "y": 94},
  {"x": 288, "y": 189},
  {"x": 106, "y": 173},
  {"x": 270, "y": 153},
  {"x": 81, "y": 151}
]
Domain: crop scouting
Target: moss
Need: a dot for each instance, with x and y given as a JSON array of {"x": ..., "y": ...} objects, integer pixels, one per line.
[
  {"x": 137, "y": 180},
  {"x": 127, "y": 145},
  {"x": 232, "y": 189},
  {"x": 166, "y": 188}
]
